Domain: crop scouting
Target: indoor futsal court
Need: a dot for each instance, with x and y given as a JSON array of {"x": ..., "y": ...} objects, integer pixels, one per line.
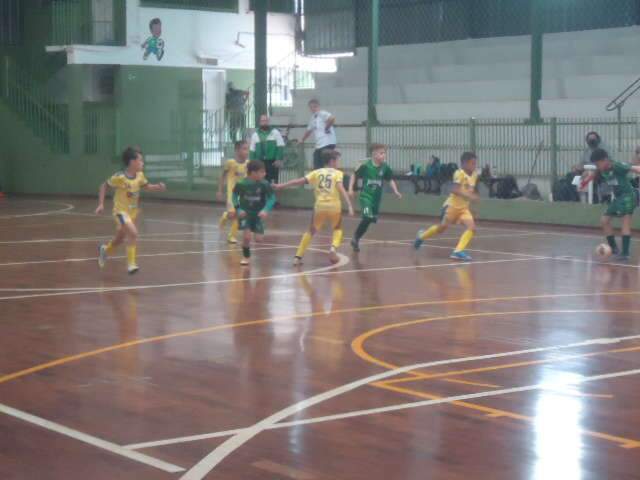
[{"x": 390, "y": 364}]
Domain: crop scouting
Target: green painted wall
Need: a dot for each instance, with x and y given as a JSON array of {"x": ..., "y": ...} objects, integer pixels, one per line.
[{"x": 147, "y": 101}]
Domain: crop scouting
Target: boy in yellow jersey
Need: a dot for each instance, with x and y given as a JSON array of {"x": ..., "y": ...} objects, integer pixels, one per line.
[
  {"x": 234, "y": 171},
  {"x": 327, "y": 186},
  {"x": 456, "y": 208},
  {"x": 126, "y": 200}
]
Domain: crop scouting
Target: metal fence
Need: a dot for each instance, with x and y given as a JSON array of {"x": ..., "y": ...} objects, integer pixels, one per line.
[{"x": 509, "y": 146}]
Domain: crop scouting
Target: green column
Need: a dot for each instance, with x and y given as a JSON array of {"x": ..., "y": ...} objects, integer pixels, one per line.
[
  {"x": 261, "y": 80},
  {"x": 374, "y": 40},
  {"x": 74, "y": 76},
  {"x": 537, "y": 30}
]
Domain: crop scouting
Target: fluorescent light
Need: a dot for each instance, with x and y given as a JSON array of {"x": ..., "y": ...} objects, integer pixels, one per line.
[{"x": 333, "y": 55}]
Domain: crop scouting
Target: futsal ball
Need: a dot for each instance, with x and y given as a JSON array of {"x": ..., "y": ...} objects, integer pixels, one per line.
[{"x": 603, "y": 250}]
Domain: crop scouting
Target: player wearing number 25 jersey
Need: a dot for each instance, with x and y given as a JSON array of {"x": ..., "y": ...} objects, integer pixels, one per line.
[{"x": 327, "y": 183}]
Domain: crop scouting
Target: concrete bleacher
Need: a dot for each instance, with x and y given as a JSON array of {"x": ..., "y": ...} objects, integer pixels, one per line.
[{"x": 482, "y": 78}]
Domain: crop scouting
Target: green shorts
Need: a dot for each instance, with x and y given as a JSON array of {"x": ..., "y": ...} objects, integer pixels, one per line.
[
  {"x": 621, "y": 206},
  {"x": 253, "y": 223},
  {"x": 370, "y": 209}
]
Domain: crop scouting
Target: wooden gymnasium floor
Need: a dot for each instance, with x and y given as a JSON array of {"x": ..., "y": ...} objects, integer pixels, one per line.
[{"x": 521, "y": 365}]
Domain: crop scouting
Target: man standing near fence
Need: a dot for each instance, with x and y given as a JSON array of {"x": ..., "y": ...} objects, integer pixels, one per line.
[
  {"x": 235, "y": 110},
  {"x": 267, "y": 145},
  {"x": 322, "y": 127}
]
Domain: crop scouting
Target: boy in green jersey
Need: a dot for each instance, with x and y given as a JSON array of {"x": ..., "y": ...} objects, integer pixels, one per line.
[
  {"x": 616, "y": 174},
  {"x": 374, "y": 173},
  {"x": 253, "y": 199}
]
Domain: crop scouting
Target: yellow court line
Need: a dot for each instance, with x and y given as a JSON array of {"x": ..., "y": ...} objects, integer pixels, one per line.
[
  {"x": 468, "y": 382},
  {"x": 357, "y": 346},
  {"x": 134, "y": 343},
  {"x": 427, "y": 376},
  {"x": 495, "y": 413}
]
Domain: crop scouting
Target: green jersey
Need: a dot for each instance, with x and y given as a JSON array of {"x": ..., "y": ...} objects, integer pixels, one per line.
[
  {"x": 253, "y": 196},
  {"x": 266, "y": 145},
  {"x": 618, "y": 179},
  {"x": 373, "y": 177}
]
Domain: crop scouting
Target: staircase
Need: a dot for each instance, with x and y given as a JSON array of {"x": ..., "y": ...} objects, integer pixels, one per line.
[{"x": 36, "y": 108}]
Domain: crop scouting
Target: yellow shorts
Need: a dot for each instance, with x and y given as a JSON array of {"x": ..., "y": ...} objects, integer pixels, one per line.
[
  {"x": 453, "y": 215},
  {"x": 320, "y": 217},
  {"x": 125, "y": 217}
]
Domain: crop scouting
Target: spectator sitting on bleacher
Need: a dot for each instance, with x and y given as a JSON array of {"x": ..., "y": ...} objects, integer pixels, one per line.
[
  {"x": 432, "y": 176},
  {"x": 594, "y": 141}
]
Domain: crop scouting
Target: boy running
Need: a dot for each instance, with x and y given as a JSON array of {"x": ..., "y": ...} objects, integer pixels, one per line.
[
  {"x": 253, "y": 199},
  {"x": 126, "y": 200},
  {"x": 327, "y": 183},
  {"x": 456, "y": 208},
  {"x": 234, "y": 171},
  {"x": 373, "y": 174}
]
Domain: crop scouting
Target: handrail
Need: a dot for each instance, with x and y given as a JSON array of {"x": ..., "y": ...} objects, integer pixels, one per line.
[
  {"x": 626, "y": 94},
  {"x": 28, "y": 98}
]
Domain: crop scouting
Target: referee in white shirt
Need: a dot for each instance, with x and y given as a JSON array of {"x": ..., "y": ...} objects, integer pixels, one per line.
[{"x": 321, "y": 125}]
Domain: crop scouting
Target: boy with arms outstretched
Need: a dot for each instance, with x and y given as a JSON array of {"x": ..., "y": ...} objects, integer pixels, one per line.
[{"x": 327, "y": 183}]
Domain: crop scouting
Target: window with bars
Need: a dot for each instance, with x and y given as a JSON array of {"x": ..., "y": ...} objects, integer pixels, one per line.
[{"x": 214, "y": 5}]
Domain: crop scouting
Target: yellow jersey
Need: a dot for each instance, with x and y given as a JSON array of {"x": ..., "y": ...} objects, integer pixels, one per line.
[
  {"x": 127, "y": 196},
  {"x": 235, "y": 171},
  {"x": 467, "y": 183},
  {"x": 325, "y": 183}
]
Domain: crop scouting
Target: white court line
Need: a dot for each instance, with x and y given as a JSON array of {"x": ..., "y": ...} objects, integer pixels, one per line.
[
  {"x": 320, "y": 271},
  {"x": 100, "y": 237},
  {"x": 67, "y": 208},
  {"x": 515, "y": 254},
  {"x": 385, "y": 220},
  {"x": 205, "y": 436},
  {"x": 164, "y": 254},
  {"x": 91, "y": 440},
  {"x": 208, "y": 463}
]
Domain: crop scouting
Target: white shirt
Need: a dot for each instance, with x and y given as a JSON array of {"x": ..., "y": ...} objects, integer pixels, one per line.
[{"x": 318, "y": 125}]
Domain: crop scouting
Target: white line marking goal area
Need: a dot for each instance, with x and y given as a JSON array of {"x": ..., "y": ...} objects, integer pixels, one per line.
[
  {"x": 91, "y": 440},
  {"x": 239, "y": 437}
]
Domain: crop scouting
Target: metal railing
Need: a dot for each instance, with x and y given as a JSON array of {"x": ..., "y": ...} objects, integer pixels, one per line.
[
  {"x": 284, "y": 78},
  {"x": 619, "y": 102},
  {"x": 509, "y": 146},
  {"x": 46, "y": 117}
]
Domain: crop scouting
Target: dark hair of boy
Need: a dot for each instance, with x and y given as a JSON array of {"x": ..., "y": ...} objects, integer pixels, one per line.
[
  {"x": 599, "y": 154},
  {"x": 239, "y": 144},
  {"x": 378, "y": 146},
  {"x": 314, "y": 101},
  {"x": 328, "y": 155},
  {"x": 129, "y": 154},
  {"x": 255, "y": 166},
  {"x": 155, "y": 21},
  {"x": 466, "y": 156}
]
